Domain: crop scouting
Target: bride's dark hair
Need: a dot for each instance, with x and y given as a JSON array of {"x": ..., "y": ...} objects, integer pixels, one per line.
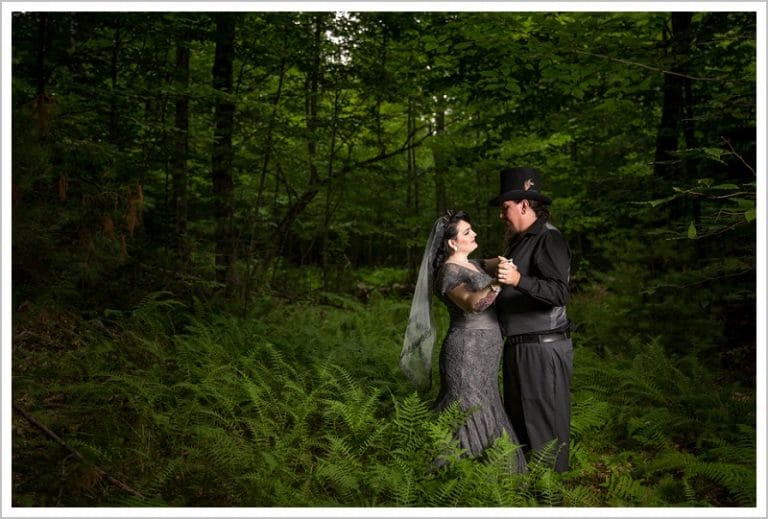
[{"x": 451, "y": 219}]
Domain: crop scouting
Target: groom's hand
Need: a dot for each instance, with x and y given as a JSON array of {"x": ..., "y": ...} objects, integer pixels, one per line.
[{"x": 507, "y": 272}]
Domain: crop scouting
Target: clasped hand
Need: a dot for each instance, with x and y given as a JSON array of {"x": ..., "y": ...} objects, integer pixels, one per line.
[{"x": 506, "y": 272}]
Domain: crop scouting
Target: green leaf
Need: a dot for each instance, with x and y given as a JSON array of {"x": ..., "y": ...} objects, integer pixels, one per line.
[
  {"x": 713, "y": 153},
  {"x": 692, "y": 231},
  {"x": 744, "y": 203}
]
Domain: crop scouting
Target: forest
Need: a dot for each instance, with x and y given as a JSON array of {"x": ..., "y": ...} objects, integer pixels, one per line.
[{"x": 217, "y": 220}]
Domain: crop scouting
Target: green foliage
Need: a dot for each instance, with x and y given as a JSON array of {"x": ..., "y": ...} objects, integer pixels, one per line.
[
  {"x": 272, "y": 410},
  {"x": 661, "y": 418}
]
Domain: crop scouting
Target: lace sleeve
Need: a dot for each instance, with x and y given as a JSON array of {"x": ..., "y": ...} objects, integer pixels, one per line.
[{"x": 448, "y": 277}]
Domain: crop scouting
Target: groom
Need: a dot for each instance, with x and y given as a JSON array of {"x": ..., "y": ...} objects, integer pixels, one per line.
[{"x": 538, "y": 351}]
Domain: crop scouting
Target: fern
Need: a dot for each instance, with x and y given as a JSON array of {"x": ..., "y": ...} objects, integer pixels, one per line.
[
  {"x": 582, "y": 496},
  {"x": 163, "y": 476},
  {"x": 339, "y": 468},
  {"x": 156, "y": 313},
  {"x": 280, "y": 409},
  {"x": 624, "y": 490},
  {"x": 396, "y": 483},
  {"x": 409, "y": 420},
  {"x": 737, "y": 479},
  {"x": 587, "y": 415},
  {"x": 445, "y": 447},
  {"x": 356, "y": 406},
  {"x": 446, "y": 493},
  {"x": 690, "y": 493}
]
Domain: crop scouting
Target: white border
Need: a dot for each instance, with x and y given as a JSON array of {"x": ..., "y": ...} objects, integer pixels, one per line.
[
  {"x": 451, "y": 5},
  {"x": 5, "y": 247},
  {"x": 639, "y": 512}
]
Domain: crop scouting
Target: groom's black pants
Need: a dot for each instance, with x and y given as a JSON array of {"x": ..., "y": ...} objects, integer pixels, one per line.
[{"x": 537, "y": 374}]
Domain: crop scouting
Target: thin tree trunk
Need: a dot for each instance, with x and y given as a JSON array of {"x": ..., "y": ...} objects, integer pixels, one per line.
[
  {"x": 676, "y": 128},
  {"x": 440, "y": 166},
  {"x": 270, "y": 134},
  {"x": 42, "y": 101},
  {"x": 329, "y": 209},
  {"x": 382, "y": 73},
  {"x": 312, "y": 92},
  {"x": 670, "y": 126},
  {"x": 179, "y": 164},
  {"x": 221, "y": 168},
  {"x": 412, "y": 195},
  {"x": 253, "y": 268},
  {"x": 42, "y": 52},
  {"x": 113, "y": 109}
]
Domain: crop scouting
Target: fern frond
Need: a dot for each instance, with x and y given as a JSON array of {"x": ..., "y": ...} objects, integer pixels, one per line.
[
  {"x": 446, "y": 493},
  {"x": 339, "y": 468},
  {"x": 90, "y": 451},
  {"x": 152, "y": 312},
  {"x": 740, "y": 481},
  {"x": 228, "y": 451},
  {"x": 625, "y": 490},
  {"x": 582, "y": 496},
  {"x": 650, "y": 429},
  {"x": 588, "y": 414},
  {"x": 500, "y": 458},
  {"x": 543, "y": 459},
  {"x": 549, "y": 488},
  {"x": 441, "y": 434},
  {"x": 163, "y": 475},
  {"x": 395, "y": 483},
  {"x": 409, "y": 421},
  {"x": 690, "y": 493}
]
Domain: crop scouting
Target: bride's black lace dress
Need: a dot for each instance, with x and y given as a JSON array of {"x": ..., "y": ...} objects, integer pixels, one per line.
[{"x": 469, "y": 364}]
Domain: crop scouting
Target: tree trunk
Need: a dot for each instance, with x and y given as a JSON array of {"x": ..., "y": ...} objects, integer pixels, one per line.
[
  {"x": 179, "y": 168},
  {"x": 312, "y": 92},
  {"x": 329, "y": 190},
  {"x": 676, "y": 127},
  {"x": 42, "y": 101},
  {"x": 221, "y": 168},
  {"x": 42, "y": 51},
  {"x": 438, "y": 153},
  {"x": 412, "y": 193},
  {"x": 382, "y": 74},
  {"x": 666, "y": 166},
  {"x": 113, "y": 109},
  {"x": 253, "y": 268}
]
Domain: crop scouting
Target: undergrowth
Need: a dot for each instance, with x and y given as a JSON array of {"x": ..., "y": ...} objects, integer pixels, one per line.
[{"x": 303, "y": 405}]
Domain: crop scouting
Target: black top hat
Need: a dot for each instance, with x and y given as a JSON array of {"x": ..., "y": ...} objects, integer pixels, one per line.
[{"x": 519, "y": 183}]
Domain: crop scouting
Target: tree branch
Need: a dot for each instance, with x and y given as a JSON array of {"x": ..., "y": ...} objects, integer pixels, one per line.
[
  {"x": 691, "y": 192},
  {"x": 750, "y": 168},
  {"x": 655, "y": 69},
  {"x": 74, "y": 452},
  {"x": 405, "y": 147}
]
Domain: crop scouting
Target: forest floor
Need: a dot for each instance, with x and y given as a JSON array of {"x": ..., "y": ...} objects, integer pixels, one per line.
[{"x": 303, "y": 404}]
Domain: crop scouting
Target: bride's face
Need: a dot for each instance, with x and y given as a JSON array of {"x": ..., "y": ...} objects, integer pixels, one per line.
[{"x": 465, "y": 238}]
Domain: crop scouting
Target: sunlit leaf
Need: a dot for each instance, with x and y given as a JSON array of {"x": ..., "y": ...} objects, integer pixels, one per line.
[{"x": 692, "y": 231}]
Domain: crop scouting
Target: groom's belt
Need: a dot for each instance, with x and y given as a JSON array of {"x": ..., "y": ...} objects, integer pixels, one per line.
[{"x": 528, "y": 338}]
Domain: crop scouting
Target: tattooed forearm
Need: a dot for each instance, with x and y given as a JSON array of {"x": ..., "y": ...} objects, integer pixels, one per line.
[{"x": 485, "y": 301}]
